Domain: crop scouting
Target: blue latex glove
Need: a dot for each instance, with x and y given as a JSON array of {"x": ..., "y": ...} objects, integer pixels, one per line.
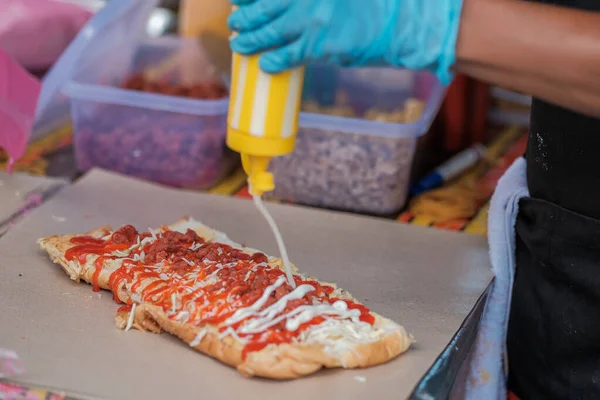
[{"x": 414, "y": 34}]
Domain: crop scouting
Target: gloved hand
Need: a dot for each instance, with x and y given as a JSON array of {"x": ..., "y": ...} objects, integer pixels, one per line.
[{"x": 414, "y": 34}]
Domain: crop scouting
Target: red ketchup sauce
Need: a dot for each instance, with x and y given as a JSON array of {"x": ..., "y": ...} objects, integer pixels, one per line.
[{"x": 210, "y": 281}]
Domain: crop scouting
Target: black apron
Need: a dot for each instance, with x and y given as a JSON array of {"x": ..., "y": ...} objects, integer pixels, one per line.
[{"x": 554, "y": 326}]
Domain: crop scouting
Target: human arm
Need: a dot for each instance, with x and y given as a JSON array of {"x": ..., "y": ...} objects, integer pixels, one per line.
[
  {"x": 550, "y": 52},
  {"x": 546, "y": 51},
  {"x": 414, "y": 34}
]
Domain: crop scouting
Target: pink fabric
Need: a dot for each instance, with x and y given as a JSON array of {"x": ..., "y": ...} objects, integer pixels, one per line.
[
  {"x": 36, "y": 32},
  {"x": 19, "y": 92},
  {"x": 10, "y": 364}
]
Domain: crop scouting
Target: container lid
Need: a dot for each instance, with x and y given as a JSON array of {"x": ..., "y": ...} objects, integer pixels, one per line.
[
  {"x": 423, "y": 85},
  {"x": 53, "y": 107}
]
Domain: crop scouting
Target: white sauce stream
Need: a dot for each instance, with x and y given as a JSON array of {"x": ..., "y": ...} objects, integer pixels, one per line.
[
  {"x": 130, "y": 319},
  {"x": 282, "y": 250}
]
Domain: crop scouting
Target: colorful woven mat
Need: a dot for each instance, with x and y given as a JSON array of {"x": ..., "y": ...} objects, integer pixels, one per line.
[
  {"x": 468, "y": 196},
  {"x": 33, "y": 161},
  {"x": 14, "y": 392}
]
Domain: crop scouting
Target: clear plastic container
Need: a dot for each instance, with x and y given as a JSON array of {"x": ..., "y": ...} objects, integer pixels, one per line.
[
  {"x": 118, "y": 25},
  {"x": 351, "y": 163},
  {"x": 172, "y": 140}
]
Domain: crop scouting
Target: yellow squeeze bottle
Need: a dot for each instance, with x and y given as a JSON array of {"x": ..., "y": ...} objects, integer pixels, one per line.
[
  {"x": 263, "y": 117},
  {"x": 262, "y": 123}
]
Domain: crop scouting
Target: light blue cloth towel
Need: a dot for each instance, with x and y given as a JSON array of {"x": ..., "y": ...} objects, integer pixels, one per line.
[{"x": 489, "y": 368}]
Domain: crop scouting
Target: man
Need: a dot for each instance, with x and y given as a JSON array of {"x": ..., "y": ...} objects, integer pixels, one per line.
[{"x": 551, "y": 51}]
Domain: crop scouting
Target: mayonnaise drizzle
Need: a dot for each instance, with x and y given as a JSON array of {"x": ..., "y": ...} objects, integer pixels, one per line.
[
  {"x": 246, "y": 312},
  {"x": 307, "y": 313},
  {"x": 277, "y": 307},
  {"x": 270, "y": 316},
  {"x": 231, "y": 332},
  {"x": 282, "y": 250},
  {"x": 297, "y": 317}
]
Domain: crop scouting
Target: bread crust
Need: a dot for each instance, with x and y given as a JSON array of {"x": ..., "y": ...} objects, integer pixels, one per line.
[{"x": 283, "y": 361}]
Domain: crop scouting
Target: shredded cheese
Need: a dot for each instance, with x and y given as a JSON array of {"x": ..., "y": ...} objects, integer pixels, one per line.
[
  {"x": 183, "y": 316},
  {"x": 198, "y": 339},
  {"x": 173, "y": 303},
  {"x": 131, "y": 317},
  {"x": 282, "y": 250},
  {"x": 248, "y": 275}
]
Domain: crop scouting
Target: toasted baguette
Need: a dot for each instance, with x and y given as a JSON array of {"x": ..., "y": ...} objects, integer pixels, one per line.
[{"x": 283, "y": 361}]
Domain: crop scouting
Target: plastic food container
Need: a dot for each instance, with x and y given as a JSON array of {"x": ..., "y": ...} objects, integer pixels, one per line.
[
  {"x": 351, "y": 163},
  {"x": 172, "y": 140}
]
